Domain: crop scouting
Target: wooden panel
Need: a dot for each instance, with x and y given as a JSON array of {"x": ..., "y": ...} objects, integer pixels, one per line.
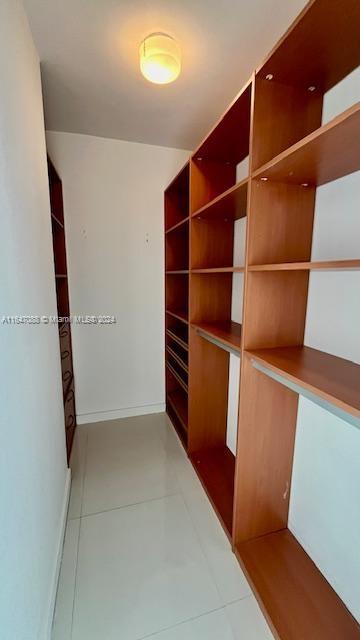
[
  {"x": 230, "y": 205},
  {"x": 177, "y": 199},
  {"x": 229, "y": 333},
  {"x": 210, "y": 297},
  {"x": 177, "y": 374},
  {"x": 297, "y": 600},
  {"x": 208, "y": 180},
  {"x": 176, "y": 356},
  {"x": 177, "y": 225},
  {"x": 334, "y": 379},
  {"x": 282, "y": 115},
  {"x": 176, "y": 406},
  {"x": 62, "y": 298},
  {"x": 267, "y": 423},
  {"x": 331, "y": 152},
  {"x": 228, "y": 141},
  {"x": 220, "y": 270},
  {"x": 179, "y": 315},
  {"x": 216, "y": 468},
  {"x": 212, "y": 244},
  {"x": 177, "y": 332},
  {"x": 208, "y": 394},
  {"x": 281, "y": 223},
  {"x": 70, "y": 416},
  {"x": 324, "y": 265},
  {"x": 275, "y": 309},
  {"x": 179, "y": 402},
  {"x": 177, "y": 292},
  {"x": 177, "y": 249},
  {"x": 177, "y": 424},
  {"x": 320, "y": 48},
  {"x": 175, "y": 338}
]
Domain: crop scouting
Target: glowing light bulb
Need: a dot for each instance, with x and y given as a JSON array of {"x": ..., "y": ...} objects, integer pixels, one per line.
[{"x": 160, "y": 58}]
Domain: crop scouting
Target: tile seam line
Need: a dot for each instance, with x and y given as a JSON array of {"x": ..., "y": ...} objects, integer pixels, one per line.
[
  {"x": 79, "y": 535},
  {"x": 127, "y": 506},
  {"x": 179, "y": 624},
  {"x": 192, "y": 619}
]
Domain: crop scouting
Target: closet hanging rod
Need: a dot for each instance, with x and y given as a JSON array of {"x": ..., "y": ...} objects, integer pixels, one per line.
[
  {"x": 298, "y": 388},
  {"x": 217, "y": 343}
]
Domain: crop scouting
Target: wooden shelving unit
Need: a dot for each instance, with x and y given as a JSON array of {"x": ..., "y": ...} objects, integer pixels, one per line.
[
  {"x": 276, "y": 119},
  {"x": 63, "y": 304},
  {"x": 177, "y": 300}
]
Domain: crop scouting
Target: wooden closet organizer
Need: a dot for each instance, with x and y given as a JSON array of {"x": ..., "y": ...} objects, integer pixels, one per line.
[
  {"x": 276, "y": 121},
  {"x": 63, "y": 304}
]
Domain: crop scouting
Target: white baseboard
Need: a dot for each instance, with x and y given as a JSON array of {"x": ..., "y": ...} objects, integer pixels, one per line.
[
  {"x": 57, "y": 563},
  {"x": 114, "y": 414}
]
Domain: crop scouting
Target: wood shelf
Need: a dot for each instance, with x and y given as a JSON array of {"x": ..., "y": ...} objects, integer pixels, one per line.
[
  {"x": 177, "y": 272},
  {"x": 228, "y": 141},
  {"x": 325, "y": 265},
  {"x": 230, "y": 205},
  {"x": 179, "y": 403},
  {"x": 219, "y": 270},
  {"x": 177, "y": 377},
  {"x": 311, "y": 53},
  {"x": 176, "y": 357},
  {"x": 329, "y": 153},
  {"x": 216, "y": 469},
  {"x": 229, "y": 333},
  {"x": 297, "y": 600},
  {"x": 179, "y": 315},
  {"x": 333, "y": 379},
  {"x": 177, "y": 225},
  {"x": 174, "y": 336}
]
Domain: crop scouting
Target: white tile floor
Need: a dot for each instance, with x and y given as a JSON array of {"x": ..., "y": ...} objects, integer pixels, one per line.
[{"x": 144, "y": 553}]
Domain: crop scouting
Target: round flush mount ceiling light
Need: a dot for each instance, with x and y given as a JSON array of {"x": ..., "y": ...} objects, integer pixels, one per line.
[{"x": 160, "y": 58}]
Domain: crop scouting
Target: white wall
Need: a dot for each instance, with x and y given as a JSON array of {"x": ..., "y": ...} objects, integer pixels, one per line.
[
  {"x": 33, "y": 470},
  {"x": 113, "y": 200},
  {"x": 325, "y": 504}
]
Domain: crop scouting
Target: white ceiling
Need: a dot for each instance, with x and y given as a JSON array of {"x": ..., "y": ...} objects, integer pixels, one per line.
[{"x": 92, "y": 82}]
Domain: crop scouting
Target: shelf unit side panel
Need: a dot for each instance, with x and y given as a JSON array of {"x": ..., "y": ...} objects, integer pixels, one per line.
[
  {"x": 281, "y": 223},
  {"x": 265, "y": 447},
  {"x": 208, "y": 393},
  {"x": 283, "y": 114}
]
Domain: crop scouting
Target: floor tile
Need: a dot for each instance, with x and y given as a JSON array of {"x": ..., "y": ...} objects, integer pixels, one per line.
[
  {"x": 140, "y": 570},
  {"x": 66, "y": 587},
  {"x": 247, "y": 621},
  {"x": 212, "y": 626},
  {"x": 77, "y": 464},
  {"x": 126, "y": 464},
  {"x": 226, "y": 570}
]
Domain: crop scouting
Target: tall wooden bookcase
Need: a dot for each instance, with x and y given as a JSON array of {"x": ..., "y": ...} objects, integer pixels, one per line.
[
  {"x": 63, "y": 303},
  {"x": 276, "y": 121}
]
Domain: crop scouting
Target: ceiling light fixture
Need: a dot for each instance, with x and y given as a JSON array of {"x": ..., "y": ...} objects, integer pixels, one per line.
[{"x": 160, "y": 58}]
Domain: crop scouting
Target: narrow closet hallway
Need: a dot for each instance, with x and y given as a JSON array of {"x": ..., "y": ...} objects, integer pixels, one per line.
[{"x": 144, "y": 554}]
